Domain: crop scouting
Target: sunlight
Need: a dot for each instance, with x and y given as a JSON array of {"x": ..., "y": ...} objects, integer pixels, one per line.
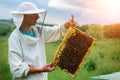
[
  {"x": 112, "y": 6},
  {"x": 107, "y": 11}
]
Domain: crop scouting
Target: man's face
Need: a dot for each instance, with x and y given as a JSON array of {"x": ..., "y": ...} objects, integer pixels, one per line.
[{"x": 31, "y": 19}]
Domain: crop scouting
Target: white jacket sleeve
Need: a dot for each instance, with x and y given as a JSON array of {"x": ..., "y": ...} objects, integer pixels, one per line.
[
  {"x": 17, "y": 66},
  {"x": 54, "y": 33}
]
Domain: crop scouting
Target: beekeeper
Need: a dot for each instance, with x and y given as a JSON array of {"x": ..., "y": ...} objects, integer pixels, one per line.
[{"x": 26, "y": 55}]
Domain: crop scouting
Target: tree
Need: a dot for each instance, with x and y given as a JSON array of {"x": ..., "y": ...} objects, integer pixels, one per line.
[{"x": 96, "y": 31}]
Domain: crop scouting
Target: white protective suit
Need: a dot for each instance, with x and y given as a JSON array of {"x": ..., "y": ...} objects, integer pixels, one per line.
[{"x": 26, "y": 50}]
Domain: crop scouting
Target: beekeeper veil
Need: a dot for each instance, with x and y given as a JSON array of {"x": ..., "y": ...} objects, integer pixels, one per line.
[{"x": 27, "y": 8}]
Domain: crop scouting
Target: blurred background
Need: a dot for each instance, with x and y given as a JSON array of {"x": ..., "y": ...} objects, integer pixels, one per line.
[{"x": 97, "y": 18}]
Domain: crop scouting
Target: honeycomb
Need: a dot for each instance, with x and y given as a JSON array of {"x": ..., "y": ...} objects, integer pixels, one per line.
[{"x": 72, "y": 51}]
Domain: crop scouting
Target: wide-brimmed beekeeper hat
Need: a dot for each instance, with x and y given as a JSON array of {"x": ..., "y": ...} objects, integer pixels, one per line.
[{"x": 25, "y": 8}]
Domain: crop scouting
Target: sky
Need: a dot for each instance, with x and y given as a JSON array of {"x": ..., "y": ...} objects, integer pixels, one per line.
[{"x": 59, "y": 11}]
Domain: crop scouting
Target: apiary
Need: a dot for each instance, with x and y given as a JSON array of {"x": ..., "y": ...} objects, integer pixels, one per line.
[{"x": 72, "y": 51}]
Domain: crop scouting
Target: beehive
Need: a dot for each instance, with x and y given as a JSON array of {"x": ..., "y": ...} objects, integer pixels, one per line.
[{"x": 72, "y": 51}]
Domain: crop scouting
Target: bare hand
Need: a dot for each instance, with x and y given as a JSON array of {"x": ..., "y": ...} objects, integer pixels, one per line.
[
  {"x": 46, "y": 68},
  {"x": 70, "y": 22}
]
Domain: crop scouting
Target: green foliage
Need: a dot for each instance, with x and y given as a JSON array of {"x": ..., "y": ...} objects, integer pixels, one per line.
[
  {"x": 96, "y": 31},
  {"x": 106, "y": 55},
  {"x": 101, "y": 32},
  {"x": 112, "y": 31},
  {"x": 83, "y": 27},
  {"x": 5, "y": 71},
  {"x": 4, "y": 30},
  {"x": 4, "y": 66},
  {"x": 89, "y": 65}
]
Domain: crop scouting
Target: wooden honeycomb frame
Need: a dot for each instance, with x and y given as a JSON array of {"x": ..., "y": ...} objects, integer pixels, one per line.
[{"x": 70, "y": 51}]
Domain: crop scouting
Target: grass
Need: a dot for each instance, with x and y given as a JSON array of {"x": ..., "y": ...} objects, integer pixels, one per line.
[
  {"x": 105, "y": 57},
  {"x": 4, "y": 66}
]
